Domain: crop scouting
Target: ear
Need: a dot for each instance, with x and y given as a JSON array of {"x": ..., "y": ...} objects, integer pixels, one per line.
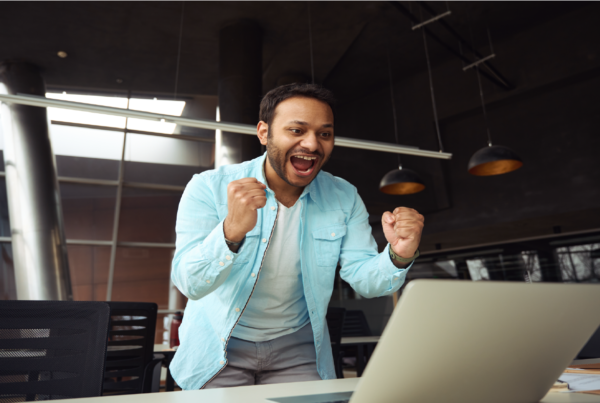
[{"x": 262, "y": 130}]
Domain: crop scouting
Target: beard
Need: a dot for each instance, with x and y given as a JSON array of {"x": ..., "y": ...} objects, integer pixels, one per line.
[{"x": 278, "y": 158}]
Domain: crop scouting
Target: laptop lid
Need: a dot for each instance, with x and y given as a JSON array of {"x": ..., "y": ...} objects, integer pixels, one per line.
[{"x": 473, "y": 342}]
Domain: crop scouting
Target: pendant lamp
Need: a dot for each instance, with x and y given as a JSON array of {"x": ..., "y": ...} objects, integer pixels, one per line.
[
  {"x": 399, "y": 181},
  {"x": 492, "y": 160},
  {"x": 402, "y": 180}
]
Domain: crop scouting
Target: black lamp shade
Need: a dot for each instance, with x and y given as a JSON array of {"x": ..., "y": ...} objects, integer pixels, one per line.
[
  {"x": 494, "y": 160},
  {"x": 401, "y": 182}
]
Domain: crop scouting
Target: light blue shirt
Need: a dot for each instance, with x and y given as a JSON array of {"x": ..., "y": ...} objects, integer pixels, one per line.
[
  {"x": 277, "y": 306},
  {"x": 334, "y": 227}
]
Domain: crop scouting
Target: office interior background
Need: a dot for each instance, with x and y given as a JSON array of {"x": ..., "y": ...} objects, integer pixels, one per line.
[{"x": 120, "y": 179}]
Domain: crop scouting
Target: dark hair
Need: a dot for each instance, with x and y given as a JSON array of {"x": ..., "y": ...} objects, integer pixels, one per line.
[{"x": 280, "y": 94}]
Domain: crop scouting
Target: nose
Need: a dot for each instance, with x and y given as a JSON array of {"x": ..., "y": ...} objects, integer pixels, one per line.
[{"x": 310, "y": 142}]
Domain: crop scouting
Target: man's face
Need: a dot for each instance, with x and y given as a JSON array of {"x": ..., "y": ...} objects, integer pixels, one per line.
[{"x": 300, "y": 139}]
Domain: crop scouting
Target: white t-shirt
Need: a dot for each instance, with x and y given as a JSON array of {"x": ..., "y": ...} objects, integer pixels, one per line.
[{"x": 277, "y": 306}]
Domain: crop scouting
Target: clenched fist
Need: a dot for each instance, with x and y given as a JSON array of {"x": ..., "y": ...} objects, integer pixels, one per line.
[
  {"x": 403, "y": 229},
  {"x": 244, "y": 197}
]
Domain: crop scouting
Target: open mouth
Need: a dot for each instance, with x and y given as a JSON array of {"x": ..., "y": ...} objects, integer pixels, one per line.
[{"x": 304, "y": 165}]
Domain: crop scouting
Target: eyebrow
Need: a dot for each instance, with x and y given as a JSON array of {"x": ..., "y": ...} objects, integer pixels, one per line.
[{"x": 303, "y": 123}]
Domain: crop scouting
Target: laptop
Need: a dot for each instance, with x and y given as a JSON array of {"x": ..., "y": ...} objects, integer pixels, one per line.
[{"x": 473, "y": 342}]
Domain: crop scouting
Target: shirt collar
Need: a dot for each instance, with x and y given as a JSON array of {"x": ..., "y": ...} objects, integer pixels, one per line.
[{"x": 310, "y": 190}]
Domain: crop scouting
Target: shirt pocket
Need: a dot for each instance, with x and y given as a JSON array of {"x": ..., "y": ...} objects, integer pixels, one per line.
[{"x": 328, "y": 242}]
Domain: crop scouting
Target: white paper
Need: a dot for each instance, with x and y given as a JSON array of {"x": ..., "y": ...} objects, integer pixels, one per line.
[{"x": 581, "y": 382}]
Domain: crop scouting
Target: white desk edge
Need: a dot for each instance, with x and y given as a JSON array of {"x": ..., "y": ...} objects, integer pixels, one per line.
[{"x": 258, "y": 394}]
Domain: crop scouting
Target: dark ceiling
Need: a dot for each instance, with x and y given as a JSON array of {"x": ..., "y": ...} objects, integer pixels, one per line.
[
  {"x": 545, "y": 48},
  {"x": 134, "y": 45}
]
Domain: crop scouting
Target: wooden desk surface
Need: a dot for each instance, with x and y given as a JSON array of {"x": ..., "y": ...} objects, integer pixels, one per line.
[
  {"x": 162, "y": 347},
  {"x": 258, "y": 394}
]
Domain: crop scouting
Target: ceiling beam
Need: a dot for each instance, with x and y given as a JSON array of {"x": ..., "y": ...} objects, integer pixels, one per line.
[
  {"x": 466, "y": 44},
  {"x": 500, "y": 82}
]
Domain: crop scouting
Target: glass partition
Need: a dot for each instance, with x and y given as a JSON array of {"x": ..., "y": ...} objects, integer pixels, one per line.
[{"x": 118, "y": 170}]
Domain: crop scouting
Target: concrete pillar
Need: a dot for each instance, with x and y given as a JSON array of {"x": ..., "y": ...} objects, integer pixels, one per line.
[
  {"x": 38, "y": 241},
  {"x": 240, "y": 89}
]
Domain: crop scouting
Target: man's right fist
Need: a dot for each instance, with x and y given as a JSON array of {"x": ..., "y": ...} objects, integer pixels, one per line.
[{"x": 244, "y": 197}]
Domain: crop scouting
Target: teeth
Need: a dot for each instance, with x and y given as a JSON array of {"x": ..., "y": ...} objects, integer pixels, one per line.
[{"x": 306, "y": 158}]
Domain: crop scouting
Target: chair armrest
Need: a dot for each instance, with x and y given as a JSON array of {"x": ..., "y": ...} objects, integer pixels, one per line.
[{"x": 151, "y": 381}]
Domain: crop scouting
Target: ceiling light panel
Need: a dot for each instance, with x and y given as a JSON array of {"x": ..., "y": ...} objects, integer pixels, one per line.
[
  {"x": 173, "y": 108},
  {"x": 72, "y": 116}
]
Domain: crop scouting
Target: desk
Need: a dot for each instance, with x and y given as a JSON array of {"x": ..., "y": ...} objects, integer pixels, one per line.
[
  {"x": 258, "y": 394},
  {"x": 169, "y": 353},
  {"x": 360, "y": 343}
]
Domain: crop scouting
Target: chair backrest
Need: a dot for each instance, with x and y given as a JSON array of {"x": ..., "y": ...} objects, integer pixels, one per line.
[
  {"x": 130, "y": 346},
  {"x": 52, "y": 349},
  {"x": 356, "y": 324},
  {"x": 335, "y": 323}
]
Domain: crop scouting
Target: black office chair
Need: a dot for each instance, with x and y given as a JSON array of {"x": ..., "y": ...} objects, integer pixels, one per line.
[
  {"x": 52, "y": 349},
  {"x": 355, "y": 325},
  {"x": 591, "y": 348},
  {"x": 335, "y": 323},
  {"x": 131, "y": 365}
]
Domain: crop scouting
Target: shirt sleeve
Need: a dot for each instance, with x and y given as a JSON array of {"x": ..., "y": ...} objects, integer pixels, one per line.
[
  {"x": 202, "y": 259},
  {"x": 368, "y": 272}
]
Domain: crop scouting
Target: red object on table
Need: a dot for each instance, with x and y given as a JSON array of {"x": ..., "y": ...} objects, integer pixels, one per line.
[{"x": 174, "y": 333}]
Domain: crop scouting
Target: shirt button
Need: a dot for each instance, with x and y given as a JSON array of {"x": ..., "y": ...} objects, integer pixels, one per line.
[
  {"x": 333, "y": 234},
  {"x": 253, "y": 275},
  {"x": 222, "y": 339},
  {"x": 273, "y": 208},
  {"x": 237, "y": 309},
  {"x": 221, "y": 362},
  {"x": 207, "y": 281},
  {"x": 228, "y": 257},
  {"x": 221, "y": 264},
  {"x": 395, "y": 278},
  {"x": 264, "y": 240}
]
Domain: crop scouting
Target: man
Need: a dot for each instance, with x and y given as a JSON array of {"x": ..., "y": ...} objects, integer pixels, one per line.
[{"x": 258, "y": 244}]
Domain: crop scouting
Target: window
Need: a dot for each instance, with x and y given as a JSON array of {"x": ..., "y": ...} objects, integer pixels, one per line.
[
  {"x": 558, "y": 258},
  {"x": 125, "y": 173},
  {"x": 580, "y": 263}
]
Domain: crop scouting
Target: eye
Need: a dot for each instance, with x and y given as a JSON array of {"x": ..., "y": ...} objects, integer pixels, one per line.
[
  {"x": 296, "y": 131},
  {"x": 326, "y": 134}
]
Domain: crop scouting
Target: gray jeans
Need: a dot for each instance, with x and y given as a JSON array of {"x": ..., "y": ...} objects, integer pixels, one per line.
[{"x": 289, "y": 358}]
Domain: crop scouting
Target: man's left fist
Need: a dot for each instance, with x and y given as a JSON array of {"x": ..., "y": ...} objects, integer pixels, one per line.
[{"x": 403, "y": 229}]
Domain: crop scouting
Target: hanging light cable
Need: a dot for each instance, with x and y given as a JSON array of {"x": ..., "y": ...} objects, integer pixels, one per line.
[
  {"x": 179, "y": 50},
  {"x": 399, "y": 181},
  {"x": 435, "y": 115},
  {"x": 312, "y": 63},
  {"x": 492, "y": 160}
]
